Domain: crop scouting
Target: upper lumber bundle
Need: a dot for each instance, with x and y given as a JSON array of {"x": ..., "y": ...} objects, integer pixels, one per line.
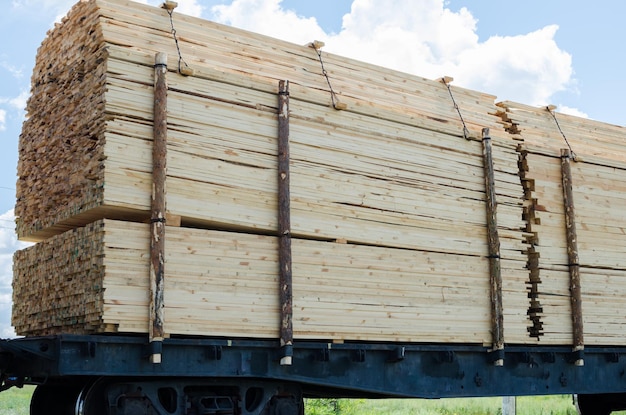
[{"x": 394, "y": 163}]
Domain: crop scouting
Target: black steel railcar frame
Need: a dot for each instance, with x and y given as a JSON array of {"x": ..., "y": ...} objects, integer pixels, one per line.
[{"x": 323, "y": 369}]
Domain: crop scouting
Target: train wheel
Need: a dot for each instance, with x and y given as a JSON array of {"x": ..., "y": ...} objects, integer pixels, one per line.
[
  {"x": 601, "y": 404},
  {"x": 92, "y": 399},
  {"x": 55, "y": 399}
]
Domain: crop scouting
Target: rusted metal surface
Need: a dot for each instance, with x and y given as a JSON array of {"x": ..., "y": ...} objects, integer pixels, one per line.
[
  {"x": 284, "y": 226},
  {"x": 493, "y": 242},
  {"x": 158, "y": 205},
  {"x": 572, "y": 254}
]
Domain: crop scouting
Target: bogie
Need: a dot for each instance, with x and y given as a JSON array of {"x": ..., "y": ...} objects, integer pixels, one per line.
[{"x": 121, "y": 396}]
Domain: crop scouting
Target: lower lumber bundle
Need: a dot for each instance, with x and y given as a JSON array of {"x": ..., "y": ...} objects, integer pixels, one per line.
[{"x": 95, "y": 279}]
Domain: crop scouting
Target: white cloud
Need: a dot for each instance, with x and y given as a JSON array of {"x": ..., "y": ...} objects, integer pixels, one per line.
[
  {"x": 15, "y": 72},
  {"x": 56, "y": 7},
  {"x": 8, "y": 245},
  {"x": 17, "y": 103},
  {"x": 571, "y": 111},
  {"x": 59, "y": 8},
  {"x": 189, "y": 7},
  {"x": 528, "y": 68},
  {"x": 42, "y": 4},
  {"x": 267, "y": 17},
  {"x": 424, "y": 38},
  {"x": 424, "y": 34}
]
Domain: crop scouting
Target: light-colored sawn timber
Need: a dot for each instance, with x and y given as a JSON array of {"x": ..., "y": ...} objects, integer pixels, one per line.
[
  {"x": 95, "y": 279},
  {"x": 599, "y": 196},
  {"x": 388, "y": 206}
]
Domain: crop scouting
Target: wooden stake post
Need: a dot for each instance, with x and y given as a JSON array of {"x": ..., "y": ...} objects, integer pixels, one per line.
[
  {"x": 158, "y": 207},
  {"x": 572, "y": 253},
  {"x": 493, "y": 241},
  {"x": 284, "y": 227}
]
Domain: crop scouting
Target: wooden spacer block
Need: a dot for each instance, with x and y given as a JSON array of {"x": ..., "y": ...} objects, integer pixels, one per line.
[
  {"x": 169, "y": 5},
  {"x": 316, "y": 44},
  {"x": 186, "y": 71},
  {"x": 551, "y": 107},
  {"x": 446, "y": 79},
  {"x": 340, "y": 106},
  {"x": 173, "y": 220}
]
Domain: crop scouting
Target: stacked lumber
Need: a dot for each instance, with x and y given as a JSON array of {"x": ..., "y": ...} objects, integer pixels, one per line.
[
  {"x": 391, "y": 176},
  {"x": 225, "y": 124},
  {"x": 598, "y": 171},
  {"x": 94, "y": 279},
  {"x": 59, "y": 282}
]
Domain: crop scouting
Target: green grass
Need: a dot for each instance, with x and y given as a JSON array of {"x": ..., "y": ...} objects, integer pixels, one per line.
[
  {"x": 544, "y": 405},
  {"x": 16, "y": 401},
  {"x": 526, "y": 405}
]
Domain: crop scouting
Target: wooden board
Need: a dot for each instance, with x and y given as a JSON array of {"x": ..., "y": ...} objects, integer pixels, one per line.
[{"x": 95, "y": 279}]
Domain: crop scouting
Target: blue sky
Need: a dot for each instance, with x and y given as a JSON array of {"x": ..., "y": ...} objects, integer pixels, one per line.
[{"x": 562, "y": 52}]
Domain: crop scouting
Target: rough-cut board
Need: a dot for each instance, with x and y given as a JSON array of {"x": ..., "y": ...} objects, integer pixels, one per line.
[{"x": 218, "y": 283}]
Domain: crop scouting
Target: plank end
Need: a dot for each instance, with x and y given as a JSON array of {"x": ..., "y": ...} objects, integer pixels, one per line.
[
  {"x": 316, "y": 44},
  {"x": 186, "y": 71},
  {"x": 340, "y": 106},
  {"x": 173, "y": 220},
  {"x": 169, "y": 5}
]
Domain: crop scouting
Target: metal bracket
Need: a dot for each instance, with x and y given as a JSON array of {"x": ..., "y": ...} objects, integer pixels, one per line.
[
  {"x": 154, "y": 348},
  {"x": 359, "y": 356},
  {"x": 397, "y": 355},
  {"x": 324, "y": 354},
  {"x": 89, "y": 349},
  {"x": 496, "y": 355},
  {"x": 214, "y": 353}
]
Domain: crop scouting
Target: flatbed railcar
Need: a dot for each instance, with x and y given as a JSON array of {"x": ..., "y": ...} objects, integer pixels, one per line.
[
  {"x": 227, "y": 224},
  {"x": 101, "y": 375}
]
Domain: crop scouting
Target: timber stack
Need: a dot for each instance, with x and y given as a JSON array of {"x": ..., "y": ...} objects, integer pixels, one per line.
[
  {"x": 405, "y": 221},
  {"x": 598, "y": 168}
]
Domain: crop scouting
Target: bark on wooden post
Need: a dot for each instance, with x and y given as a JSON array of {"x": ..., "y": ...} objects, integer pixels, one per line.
[
  {"x": 572, "y": 254},
  {"x": 157, "y": 226},
  {"x": 284, "y": 227},
  {"x": 493, "y": 242}
]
